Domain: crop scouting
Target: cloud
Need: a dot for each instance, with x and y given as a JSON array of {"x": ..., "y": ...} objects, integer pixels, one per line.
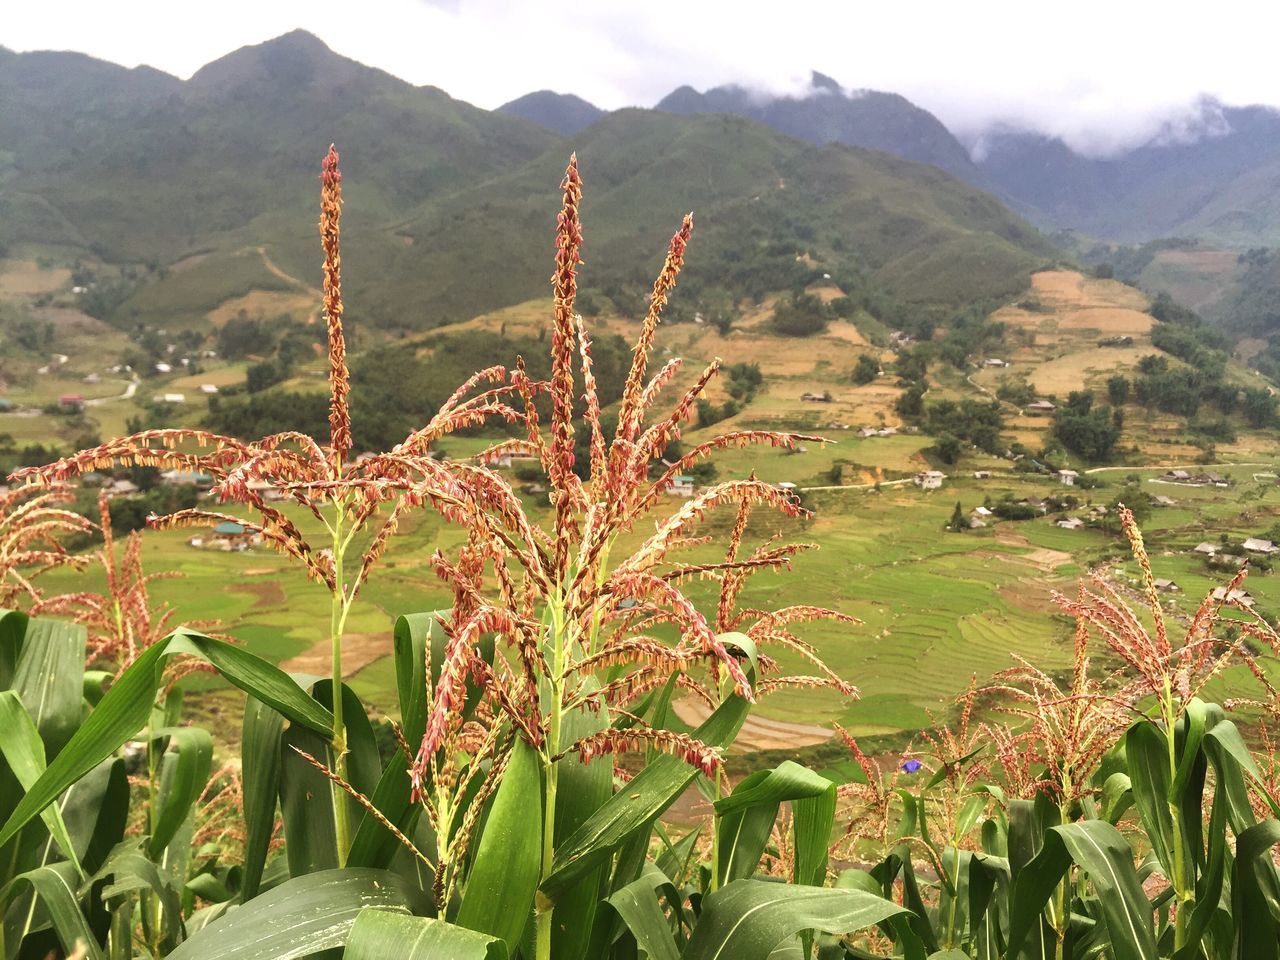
[{"x": 1102, "y": 75}]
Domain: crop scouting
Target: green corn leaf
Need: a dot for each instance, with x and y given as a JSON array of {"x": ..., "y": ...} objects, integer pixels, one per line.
[
  {"x": 1209, "y": 884},
  {"x": 812, "y": 821},
  {"x": 301, "y": 917},
  {"x": 381, "y": 934},
  {"x": 652, "y": 790},
  {"x": 674, "y": 859},
  {"x": 49, "y": 678},
  {"x": 1102, "y": 852},
  {"x": 1253, "y": 905},
  {"x": 581, "y": 790},
  {"x": 260, "y": 779},
  {"x": 126, "y": 707},
  {"x": 306, "y": 803},
  {"x": 747, "y": 919},
  {"x": 1147, "y": 752},
  {"x": 130, "y": 871},
  {"x": 498, "y": 899},
  {"x": 13, "y": 632},
  {"x": 185, "y": 781},
  {"x": 637, "y": 905},
  {"x": 55, "y": 887},
  {"x": 1192, "y": 730},
  {"x": 23, "y": 750}
]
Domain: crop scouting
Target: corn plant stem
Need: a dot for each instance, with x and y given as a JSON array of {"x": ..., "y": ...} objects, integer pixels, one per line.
[
  {"x": 546, "y": 910},
  {"x": 715, "y": 838},
  {"x": 1180, "y": 885},
  {"x": 955, "y": 893},
  {"x": 337, "y": 621}
]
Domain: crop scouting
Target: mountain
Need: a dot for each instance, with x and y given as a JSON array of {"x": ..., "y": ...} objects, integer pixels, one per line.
[
  {"x": 1214, "y": 179},
  {"x": 770, "y": 211},
  {"x": 135, "y": 164},
  {"x": 451, "y": 208},
  {"x": 563, "y": 113},
  {"x": 826, "y": 114}
]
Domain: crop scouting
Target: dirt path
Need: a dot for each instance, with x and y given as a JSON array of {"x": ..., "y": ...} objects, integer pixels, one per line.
[
  {"x": 759, "y": 733},
  {"x": 358, "y": 651},
  {"x": 129, "y": 391},
  {"x": 289, "y": 278}
]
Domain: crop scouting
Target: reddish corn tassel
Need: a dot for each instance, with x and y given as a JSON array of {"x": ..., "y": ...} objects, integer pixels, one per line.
[{"x": 339, "y": 379}]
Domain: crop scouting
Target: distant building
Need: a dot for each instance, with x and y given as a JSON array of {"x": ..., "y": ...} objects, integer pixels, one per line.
[
  {"x": 208, "y": 388},
  {"x": 1239, "y": 597},
  {"x": 1206, "y": 548},
  {"x": 995, "y": 362},
  {"x": 981, "y": 512},
  {"x": 174, "y": 398},
  {"x": 1256, "y": 545},
  {"x": 1068, "y": 477},
  {"x": 92, "y": 378},
  {"x": 1166, "y": 586},
  {"x": 816, "y": 397},
  {"x": 982, "y": 474},
  {"x": 930, "y": 479},
  {"x": 867, "y": 432},
  {"x": 497, "y": 459},
  {"x": 1177, "y": 476},
  {"x": 180, "y": 478},
  {"x": 1071, "y": 523},
  {"x": 163, "y": 368},
  {"x": 786, "y": 486},
  {"x": 120, "y": 488},
  {"x": 71, "y": 403},
  {"x": 233, "y": 536},
  {"x": 1163, "y": 501},
  {"x": 681, "y": 486},
  {"x": 1041, "y": 406}
]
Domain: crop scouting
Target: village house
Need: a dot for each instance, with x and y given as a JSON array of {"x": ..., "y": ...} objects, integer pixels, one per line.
[
  {"x": 681, "y": 486},
  {"x": 71, "y": 403},
  {"x": 1256, "y": 545},
  {"x": 1068, "y": 477},
  {"x": 1240, "y": 597},
  {"x": 1206, "y": 549},
  {"x": 185, "y": 478},
  {"x": 163, "y": 368},
  {"x": 930, "y": 479},
  {"x": 995, "y": 362},
  {"x": 1177, "y": 476},
  {"x": 92, "y": 378},
  {"x": 1041, "y": 406},
  {"x": 1166, "y": 586},
  {"x": 174, "y": 398},
  {"x": 1071, "y": 523},
  {"x": 816, "y": 397},
  {"x": 208, "y": 389},
  {"x": 120, "y": 488},
  {"x": 1163, "y": 501},
  {"x": 786, "y": 486},
  {"x": 1035, "y": 503},
  {"x": 229, "y": 535},
  {"x": 981, "y": 512},
  {"x": 982, "y": 474}
]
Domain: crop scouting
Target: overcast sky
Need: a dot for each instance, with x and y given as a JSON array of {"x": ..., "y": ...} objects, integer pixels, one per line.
[{"x": 1100, "y": 74}]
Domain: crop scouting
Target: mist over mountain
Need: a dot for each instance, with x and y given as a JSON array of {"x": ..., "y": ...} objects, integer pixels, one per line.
[{"x": 827, "y": 114}]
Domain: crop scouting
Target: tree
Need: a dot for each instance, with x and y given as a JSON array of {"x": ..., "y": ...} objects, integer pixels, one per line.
[
  {"x": 948, "y": 448},
  {"x": 957, "y": 523},
  {"x": 911, "y": 402},
  {"x": 1117, "y": 389},
  {"x": 1259, "y": 407},
  {"x": 801, "y": 315},
  {"x": 866, "y": 369}
]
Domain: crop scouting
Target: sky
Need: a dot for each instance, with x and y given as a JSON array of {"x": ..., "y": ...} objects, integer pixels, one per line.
[{"x": 1102, "y": 75}]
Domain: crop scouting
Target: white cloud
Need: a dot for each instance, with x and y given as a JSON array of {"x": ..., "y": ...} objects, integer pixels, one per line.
[{"x": 1100, "y": 74}]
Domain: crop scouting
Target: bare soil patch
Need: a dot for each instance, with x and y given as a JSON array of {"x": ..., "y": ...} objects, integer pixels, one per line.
[
  {"x": 759, "y": 733},
  {"x": 25, "y": 278},
  {"x": 358, "y": 651}
]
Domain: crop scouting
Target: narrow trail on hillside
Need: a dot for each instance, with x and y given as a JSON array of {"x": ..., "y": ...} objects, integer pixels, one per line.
[{"x": 275, "y": 270}]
